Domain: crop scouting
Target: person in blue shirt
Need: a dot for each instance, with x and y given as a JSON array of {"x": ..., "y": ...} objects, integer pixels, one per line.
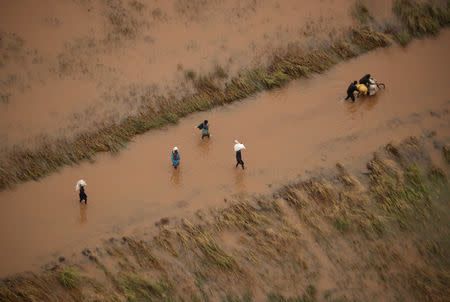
[{"x": 175, "y": 156}]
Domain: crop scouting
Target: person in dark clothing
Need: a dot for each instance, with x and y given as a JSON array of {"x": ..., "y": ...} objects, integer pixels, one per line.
[
  {"x": 239, "y": 159},
  {"x": 205, "y": 129},
  {"x": 83, "y": 195},
  {"x": 350, "y": 91},
  {"x": 365, "y": 80}
]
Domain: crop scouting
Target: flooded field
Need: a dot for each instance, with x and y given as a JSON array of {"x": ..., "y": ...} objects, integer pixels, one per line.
[
  {"x": 68, "y": 66},
  {"x": 288, "y": 133}
]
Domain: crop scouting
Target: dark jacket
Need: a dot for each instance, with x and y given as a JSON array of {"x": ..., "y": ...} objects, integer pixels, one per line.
[
  {"x": 203, "y": 126},
  {"x": 82, "y": 194},
  {"x": 365, "y": 80},
  {"x": 238, "y": 155},
  {"x": 352, "y": 88}
]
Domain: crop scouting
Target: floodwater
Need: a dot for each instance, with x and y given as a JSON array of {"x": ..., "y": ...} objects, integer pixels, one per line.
[
  {"x": 64, "y": 67},
  {"x": 288, "y": 133}
]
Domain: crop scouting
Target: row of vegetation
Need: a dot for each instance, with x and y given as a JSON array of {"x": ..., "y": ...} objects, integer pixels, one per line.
[
  {"x": 23, "y": 164},
  {"x": 323, "y": 239}
]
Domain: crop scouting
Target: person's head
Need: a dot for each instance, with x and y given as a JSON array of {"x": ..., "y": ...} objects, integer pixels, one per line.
[
  {"x": 205, "y": 122},
  {"x": 354, "y": 82},
  {"x": 175, "y": 150}
]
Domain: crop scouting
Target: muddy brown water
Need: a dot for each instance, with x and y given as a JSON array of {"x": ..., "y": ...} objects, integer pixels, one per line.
[
  {"x": 288, "y": 133},
  {"x": 68, "y": 72}
]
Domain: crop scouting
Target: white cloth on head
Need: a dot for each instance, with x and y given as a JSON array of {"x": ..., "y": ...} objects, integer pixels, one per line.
[
  {"x": 238, "y": 146},
  {"x": 175, "y": 149},
  {"x": 80, "y": 183}
]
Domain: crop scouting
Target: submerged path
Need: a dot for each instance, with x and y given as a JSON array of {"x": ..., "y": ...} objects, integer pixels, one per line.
[{"x": 288, "y": 132}]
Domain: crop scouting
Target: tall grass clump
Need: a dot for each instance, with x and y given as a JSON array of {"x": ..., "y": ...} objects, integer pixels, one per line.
[
  {"x": 420, "y": 18},
  {"x": 368, "y": 39},
  {"x": 137, "y": 288},
  {"x": 210, "y": 251},
  {"x": 69, "y": 277},
  {"x": 400, "y": 192},
  {"x": 403, "y": 37}
]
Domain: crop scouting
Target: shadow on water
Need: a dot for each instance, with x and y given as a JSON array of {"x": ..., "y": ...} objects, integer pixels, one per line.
[
  {"x": 82, "y": 219},
  {"x": 239, "y": 180},
  {"x": 176, "y": 176},
  {"x": 362, "y": 105},
  {"x": 203, "y": 145}
]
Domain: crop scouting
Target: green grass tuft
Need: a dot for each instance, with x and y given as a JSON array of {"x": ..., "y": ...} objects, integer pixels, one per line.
[
  {"x": 342, "y": 224},
  {"x": 69, "y": 277},
  {"x": 403, "y": 37},
  {"x": 137, "y": 288}
]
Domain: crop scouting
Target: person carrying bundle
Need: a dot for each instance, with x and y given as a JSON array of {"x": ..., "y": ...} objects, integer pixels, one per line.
[
  {"x": 365, "y": 80},
  {"x": 238, "y": 147},
  {"x": 80, "y": 187},
  {"x": 362, "y": 89},
  {"x": 205, "y": 129}
]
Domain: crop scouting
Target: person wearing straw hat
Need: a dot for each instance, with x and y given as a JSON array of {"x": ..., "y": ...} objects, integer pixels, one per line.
[
  {"x": 80, "y": 186},
  {"x": 238, "y": 147},
  {"x": 175, "y": 156}
]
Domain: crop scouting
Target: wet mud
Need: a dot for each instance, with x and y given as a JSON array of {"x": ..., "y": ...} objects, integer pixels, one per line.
[{"x": 288, "y": 133}]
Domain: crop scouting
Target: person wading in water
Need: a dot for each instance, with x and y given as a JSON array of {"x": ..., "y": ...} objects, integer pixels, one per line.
[
  {"x": 350, "y": 91},
  {"x": 238, "y": 147},
  {"x": 83, "y": 195},
  {"x": 239, "y": 159},
  {"x": 205, "y": 129},
  {"x": 175, "y": 156}
]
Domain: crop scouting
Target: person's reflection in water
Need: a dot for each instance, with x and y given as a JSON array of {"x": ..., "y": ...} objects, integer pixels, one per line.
[
  {"x": 358, "y": 109},
  {"x": 239, "y": 180},
  {"x": 176, "y": 177},
  {"x": 203, "y": 146},
  {"x": 83, "y": 214}
]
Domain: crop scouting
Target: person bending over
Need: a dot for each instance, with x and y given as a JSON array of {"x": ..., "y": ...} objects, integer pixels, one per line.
[{"x": 351, "y": 90}]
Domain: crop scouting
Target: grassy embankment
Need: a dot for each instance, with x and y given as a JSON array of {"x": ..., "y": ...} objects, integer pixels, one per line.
[
  {"x": 380, "y": 236},
  {"x": 416, "y": 20}
]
